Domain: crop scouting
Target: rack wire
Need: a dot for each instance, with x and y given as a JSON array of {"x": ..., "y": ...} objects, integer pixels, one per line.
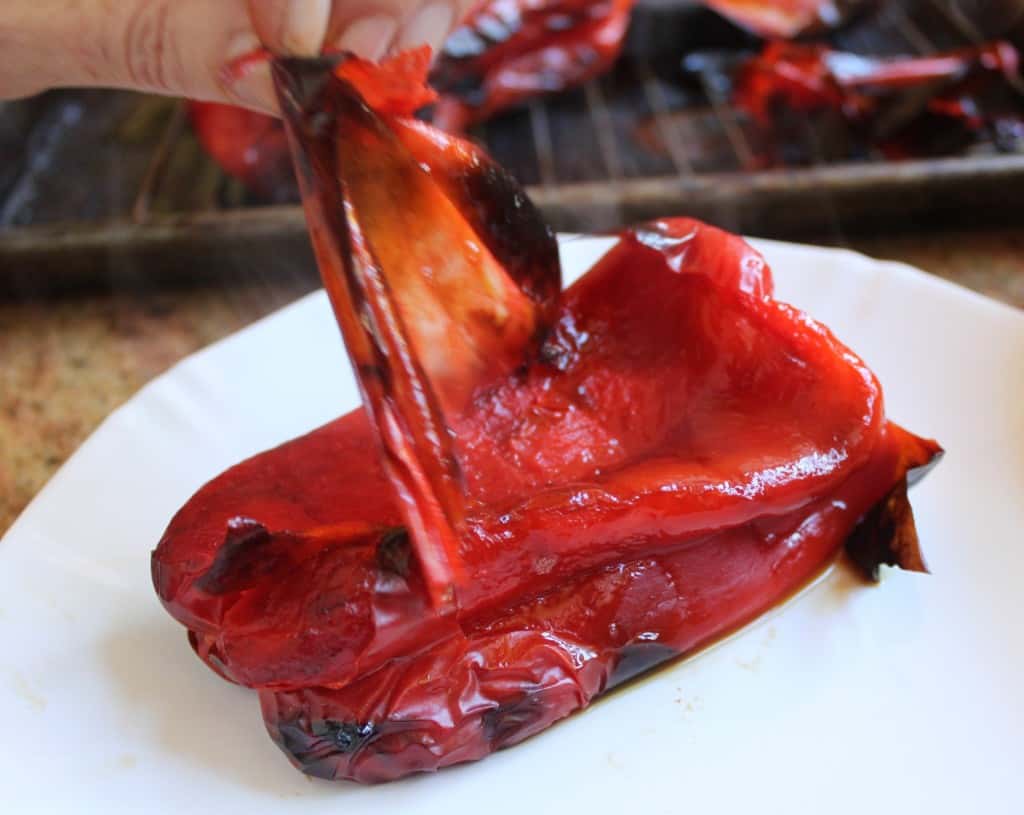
[{"x": 634, "y": 144}]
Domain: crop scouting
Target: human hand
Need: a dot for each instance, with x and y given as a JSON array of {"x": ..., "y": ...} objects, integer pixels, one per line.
[{"x": 182, "y": 47}]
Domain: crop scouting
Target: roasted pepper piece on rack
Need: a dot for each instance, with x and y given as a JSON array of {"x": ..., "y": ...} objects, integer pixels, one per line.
[{"x": 905, "y": 106}]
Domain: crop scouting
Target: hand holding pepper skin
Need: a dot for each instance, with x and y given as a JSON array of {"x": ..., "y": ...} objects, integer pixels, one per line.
[
  {"x": 183, "y": 47},
  {"x": 634, "y": 468}
]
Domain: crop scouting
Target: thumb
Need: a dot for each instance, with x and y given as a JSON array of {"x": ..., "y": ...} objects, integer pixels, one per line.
[
  {"x": 177, "y": 47},
  {"x": 295, "y": 27}
]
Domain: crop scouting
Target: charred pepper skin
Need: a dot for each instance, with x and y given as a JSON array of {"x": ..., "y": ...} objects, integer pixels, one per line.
[{"x": 634, "y": 467}]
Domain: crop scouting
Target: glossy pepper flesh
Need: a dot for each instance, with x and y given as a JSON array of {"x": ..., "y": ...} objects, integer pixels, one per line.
[{"x": 576, "y": 487}]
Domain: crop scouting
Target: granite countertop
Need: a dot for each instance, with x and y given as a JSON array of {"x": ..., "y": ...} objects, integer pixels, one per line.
[{"x": 66, "y": 364}]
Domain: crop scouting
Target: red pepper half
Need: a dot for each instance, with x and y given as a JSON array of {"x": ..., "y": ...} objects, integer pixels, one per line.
[{"x": 545, "y": 494}]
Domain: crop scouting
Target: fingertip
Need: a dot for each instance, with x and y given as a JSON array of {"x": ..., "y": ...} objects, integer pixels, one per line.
[
  {"x": 246, "y": 77},
  {"x": 293, "y": 27},
  {"x": 429, "y": 25},
  {"x": 368, "y": 37}
]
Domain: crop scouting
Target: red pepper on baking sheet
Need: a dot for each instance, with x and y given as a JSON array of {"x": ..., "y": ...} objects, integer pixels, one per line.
[
  {"x": 886, "y": 99},
  {"x": 545, "y": 493},
  {"x": 507, "y": 51}
]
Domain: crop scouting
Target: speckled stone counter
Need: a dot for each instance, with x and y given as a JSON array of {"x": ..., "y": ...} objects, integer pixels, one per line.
[{"x": 66, "y": 363}]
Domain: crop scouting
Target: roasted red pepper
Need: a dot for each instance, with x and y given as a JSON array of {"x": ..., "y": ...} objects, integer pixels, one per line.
[
  {"x": 809, "y": 78},
  {"x": 785, "y": 19},
  {"x": 510, "y": 50},
  {"x": 545, "y": 493},
  {"x": 249, "y": 146}
]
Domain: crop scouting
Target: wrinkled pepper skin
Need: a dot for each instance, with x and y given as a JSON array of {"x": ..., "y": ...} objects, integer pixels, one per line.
[{"x": 666, "y": 453}]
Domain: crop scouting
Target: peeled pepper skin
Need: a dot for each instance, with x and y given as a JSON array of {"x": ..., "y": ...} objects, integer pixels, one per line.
[{"x": 677, "y": 453}]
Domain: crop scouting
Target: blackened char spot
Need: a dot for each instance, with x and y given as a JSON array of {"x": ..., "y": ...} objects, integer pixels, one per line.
[
  {"x": 505, "y": 722},
  {"x": 240, "y": 560},
  {"x": 317, "y": 749},
  {"x": 312, "y": 755},
  {"x": 294, "y": 739},
  {"x": 347, "y": 737},
  {"x": 887, "y": 535},
  {"x": 513, "y": 230},
  {"x": 394, "y": 551},
  {"x": 639, "y": 657},
  {"x": 556, "y": 354}
]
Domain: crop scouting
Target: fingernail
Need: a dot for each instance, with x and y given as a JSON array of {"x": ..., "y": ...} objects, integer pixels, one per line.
[
  {"x": 369, "y": 37},
  {"x": 305, "y": 26},
  {"x": 248, "y": 82},
  {"x": 430, "y": 25}
]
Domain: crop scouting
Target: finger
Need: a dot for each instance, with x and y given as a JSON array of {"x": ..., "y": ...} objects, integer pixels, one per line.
[
  {"x": 371, "y": 28},
  {"x": 432, "y": 22},
  {"x": 177, "y": 47},
  {"x": 367, "y": 27},
  {"x": 296, "y": 27}
]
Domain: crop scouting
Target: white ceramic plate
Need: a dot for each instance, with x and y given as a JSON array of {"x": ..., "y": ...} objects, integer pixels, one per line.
[{"x": 901, "y": 698}]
